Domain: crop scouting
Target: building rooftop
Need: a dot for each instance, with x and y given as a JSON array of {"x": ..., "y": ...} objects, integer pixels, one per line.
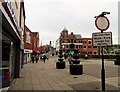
[
  {"x": 78, "y": 36},
  {"x": 65, "y": 30}
]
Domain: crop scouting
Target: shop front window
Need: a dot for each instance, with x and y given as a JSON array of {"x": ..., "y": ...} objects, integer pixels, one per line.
[
  {"x": 8, "y": 60},
  {"x": 6, "y": 42}
]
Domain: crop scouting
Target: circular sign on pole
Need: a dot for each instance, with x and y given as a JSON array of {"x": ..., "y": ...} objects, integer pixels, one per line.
[{"x": 102, "y": 23}]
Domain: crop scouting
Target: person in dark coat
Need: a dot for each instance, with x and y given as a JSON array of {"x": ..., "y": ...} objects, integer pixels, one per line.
[
  {"x": 33, "y": 58},
  {"x": 44, "y": 58},
  {"x": 36, "y": 58}
]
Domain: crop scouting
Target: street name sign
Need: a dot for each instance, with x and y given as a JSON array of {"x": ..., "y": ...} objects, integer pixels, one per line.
[{"x": 102, "y": 39}]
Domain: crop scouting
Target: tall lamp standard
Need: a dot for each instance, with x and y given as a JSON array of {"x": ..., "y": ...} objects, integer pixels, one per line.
[{"x": 53, "y": 44}]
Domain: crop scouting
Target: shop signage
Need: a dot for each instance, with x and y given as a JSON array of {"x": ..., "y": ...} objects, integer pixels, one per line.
[
  {"x": 27, "y": 51},
  {"x": 12, "y": 12},
  {"x": 102, "y": 39}
]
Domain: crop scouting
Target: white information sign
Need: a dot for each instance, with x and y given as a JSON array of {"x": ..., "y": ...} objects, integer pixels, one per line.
[{"x": 102, "y": 39}]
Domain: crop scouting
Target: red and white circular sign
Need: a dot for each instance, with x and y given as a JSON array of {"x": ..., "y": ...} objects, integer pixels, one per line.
[{"x": 102, "y": 23}]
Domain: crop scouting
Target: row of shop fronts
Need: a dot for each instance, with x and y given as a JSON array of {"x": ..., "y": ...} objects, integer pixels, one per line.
[{"x": 16, "y": 43}]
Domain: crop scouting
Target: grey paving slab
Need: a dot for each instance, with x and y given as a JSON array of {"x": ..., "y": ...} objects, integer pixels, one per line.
[
  {"x": 114, "y": 81},
  {"x": 27, "y": 87},
  {"x": 92, "y": 86},
  {"x": 95, "y": 70}
]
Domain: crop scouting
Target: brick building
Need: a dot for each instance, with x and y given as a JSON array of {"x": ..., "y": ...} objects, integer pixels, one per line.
[
  {"x": 35, "y": 43},
  {"x": 31, "y": 45},
  {"x": 87, "y": 47},
  {"x": 45, "y": 49},
  {"x": 27, "y": 44},
  {"x": 75, "y": 42}
]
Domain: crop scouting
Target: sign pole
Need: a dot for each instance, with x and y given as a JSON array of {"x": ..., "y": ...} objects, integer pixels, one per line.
[
  {"x": 102, "y": 23},
  {"x": 103, "y": 70}
]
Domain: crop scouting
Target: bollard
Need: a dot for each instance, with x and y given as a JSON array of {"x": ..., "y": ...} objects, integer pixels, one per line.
[{"x": 60, "y": 65}]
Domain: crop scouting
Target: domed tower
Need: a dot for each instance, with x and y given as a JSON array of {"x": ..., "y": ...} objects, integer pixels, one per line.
[{"x": 64, "y": 33}]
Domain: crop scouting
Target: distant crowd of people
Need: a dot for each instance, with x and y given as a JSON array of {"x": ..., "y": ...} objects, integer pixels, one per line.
[
  {"x": 73, "y": 57},
  {"x": 43, "y": 57},
  {"x": 37, "y": 57}
]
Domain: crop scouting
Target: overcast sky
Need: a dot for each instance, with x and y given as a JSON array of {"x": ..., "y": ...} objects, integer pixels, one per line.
[{"x": 49, "y": 17}]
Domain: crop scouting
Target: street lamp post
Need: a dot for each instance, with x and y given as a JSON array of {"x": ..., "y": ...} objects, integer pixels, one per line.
[
  {"x": 53, "y": 44},
  {"x": 102, "y": 29}
]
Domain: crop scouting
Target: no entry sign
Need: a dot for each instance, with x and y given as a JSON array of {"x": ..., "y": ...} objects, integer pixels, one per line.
[{"x": 102, "y": 23}]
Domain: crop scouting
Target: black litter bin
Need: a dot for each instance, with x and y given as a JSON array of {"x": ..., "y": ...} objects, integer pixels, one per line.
[
  {"x": 60, "y": 65},
  {"x": 76, "y": 69}
]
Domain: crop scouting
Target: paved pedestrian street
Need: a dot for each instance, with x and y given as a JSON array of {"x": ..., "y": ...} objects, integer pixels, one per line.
[{"x": 45, "y": 77}]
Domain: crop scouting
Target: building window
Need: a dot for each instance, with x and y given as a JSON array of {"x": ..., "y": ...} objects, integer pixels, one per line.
[
  {"x": 94, "y": 46},
  {"x": 95, "y": 52},
  {"x": 84, "y": 47},
  {"x": 84, "y": 41},
  {"x": 89, "y": 46},
  {"x": 66, "y": 46},
  {"x": 68, "y": 41},
  {"x": 89, "y": 52},
  {"x": 84, "y": 52},
  {"x": 74, "y": 41},
  {"x": 28, "y": 37},
  {"x": 71, "y": 40},
  {"x": 80, "y": 41},
  {"x": 80, "y": 46},
  {"x": 76, "y": 46},
  {"x": 89, "y": 42}
]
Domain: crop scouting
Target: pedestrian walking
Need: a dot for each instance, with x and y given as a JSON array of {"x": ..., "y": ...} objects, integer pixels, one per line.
[
  {"x": 41, "y": 56},
  {"x": 37, "y": 57},
  {"x": 44, "y": 58},
  {"x": 70, "y": 59},
  {"x": 33, "y": 58},
  {"x": 65, "y": 56}
]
